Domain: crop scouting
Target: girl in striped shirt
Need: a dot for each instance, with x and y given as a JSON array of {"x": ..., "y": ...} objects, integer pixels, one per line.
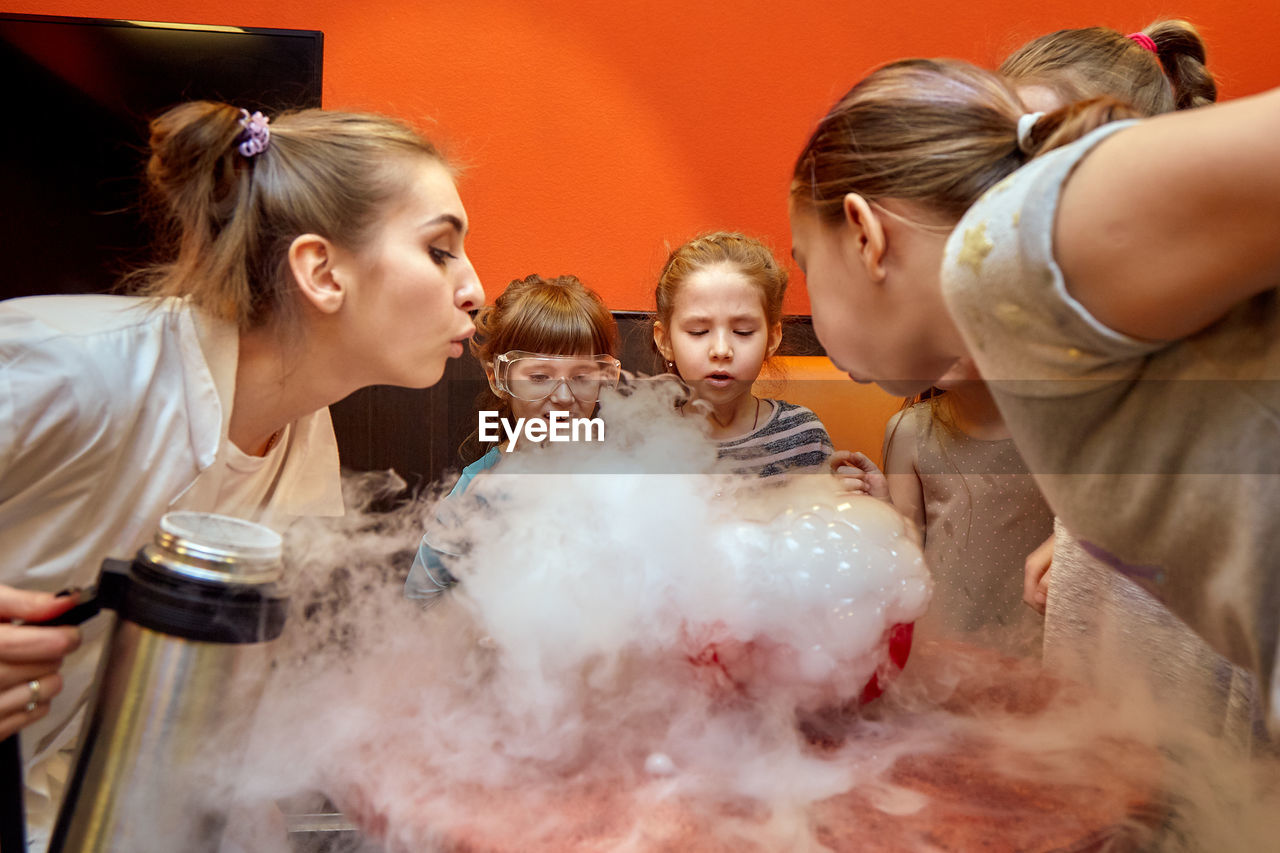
[{"x": 719, "y": 319}]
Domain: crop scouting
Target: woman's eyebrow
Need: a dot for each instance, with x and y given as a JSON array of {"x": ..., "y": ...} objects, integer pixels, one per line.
[{"x": 447, "y": 219}]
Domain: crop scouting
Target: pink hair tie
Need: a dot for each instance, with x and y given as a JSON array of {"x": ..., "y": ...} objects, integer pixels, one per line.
[{"x": 1144, "y": 41}]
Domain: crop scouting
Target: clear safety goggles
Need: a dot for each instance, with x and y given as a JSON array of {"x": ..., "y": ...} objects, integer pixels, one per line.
[{"x": 534, "y": 377}]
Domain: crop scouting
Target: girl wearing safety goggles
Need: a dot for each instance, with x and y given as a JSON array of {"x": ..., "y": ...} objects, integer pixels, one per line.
[{"x": 547, "y": 345}]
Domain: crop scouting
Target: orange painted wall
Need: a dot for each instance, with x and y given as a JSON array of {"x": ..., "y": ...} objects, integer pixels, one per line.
[{"x": 596, "y": 132}]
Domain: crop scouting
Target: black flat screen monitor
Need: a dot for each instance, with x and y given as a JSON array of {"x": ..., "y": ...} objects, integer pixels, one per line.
[{"x": 78, "y": 94}]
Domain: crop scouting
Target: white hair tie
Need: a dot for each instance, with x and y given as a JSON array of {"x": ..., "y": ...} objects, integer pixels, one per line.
[{"x": 1025, "y": 125}]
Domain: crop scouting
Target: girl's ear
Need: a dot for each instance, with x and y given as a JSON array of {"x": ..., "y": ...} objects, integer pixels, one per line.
[
  {"x": 662, "y": 340},
  {"x": 866, "y": 233},
  {"x": 775, "y": 338},
  {"x": 312, "y": 261}
]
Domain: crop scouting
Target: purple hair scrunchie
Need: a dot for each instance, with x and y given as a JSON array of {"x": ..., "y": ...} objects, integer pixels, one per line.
[{"x": 256, "y": 135}]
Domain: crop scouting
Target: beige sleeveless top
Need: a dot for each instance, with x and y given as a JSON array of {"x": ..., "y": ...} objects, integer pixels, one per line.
[{"x": 983, "y": 515}]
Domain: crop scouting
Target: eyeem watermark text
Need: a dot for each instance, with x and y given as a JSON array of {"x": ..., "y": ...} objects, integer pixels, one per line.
[{"x": 558, "y": 426}]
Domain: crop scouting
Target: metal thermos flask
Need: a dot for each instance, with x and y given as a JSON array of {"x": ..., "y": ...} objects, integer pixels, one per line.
[{"x": 182, "y": 673}]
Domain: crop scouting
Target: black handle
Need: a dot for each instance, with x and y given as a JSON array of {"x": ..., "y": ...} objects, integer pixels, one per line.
[
  {"x": 13, "y": 823},
  {"x": 87, "y": 606}
]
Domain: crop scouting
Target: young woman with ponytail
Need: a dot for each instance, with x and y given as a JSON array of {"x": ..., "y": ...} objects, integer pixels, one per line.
[{"x": 313, "y": 253}]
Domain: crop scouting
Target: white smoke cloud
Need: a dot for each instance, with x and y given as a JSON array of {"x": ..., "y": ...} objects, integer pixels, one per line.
[{"x": 624, "y": 664}]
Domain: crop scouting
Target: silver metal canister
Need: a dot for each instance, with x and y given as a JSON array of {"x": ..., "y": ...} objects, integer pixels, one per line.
[{"x": 181, "y": 676}]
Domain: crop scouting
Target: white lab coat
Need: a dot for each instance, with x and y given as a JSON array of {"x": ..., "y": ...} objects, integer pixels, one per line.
[{"x": 113, "y": 411}]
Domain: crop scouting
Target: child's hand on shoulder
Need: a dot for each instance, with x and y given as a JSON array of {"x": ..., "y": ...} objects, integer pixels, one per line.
[
  {"x": 1035, "y": 585},
  {"x": 858, "y": 475}
]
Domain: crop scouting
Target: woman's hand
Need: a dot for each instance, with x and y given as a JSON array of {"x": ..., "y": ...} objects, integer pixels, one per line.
[
  {"x": 858, "y": 475},
  {"x": 30, "y": 656},
  {"x": 1035, "y": 576}
]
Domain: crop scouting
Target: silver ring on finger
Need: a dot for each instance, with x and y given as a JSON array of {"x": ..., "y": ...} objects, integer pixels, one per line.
[{"x": 34, "y": 698}]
